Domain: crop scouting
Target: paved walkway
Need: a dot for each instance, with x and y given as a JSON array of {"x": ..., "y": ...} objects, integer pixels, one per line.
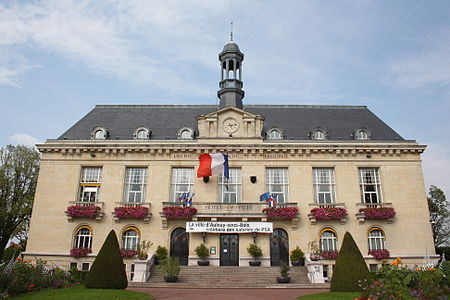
[{"x": 227, "y": 294}]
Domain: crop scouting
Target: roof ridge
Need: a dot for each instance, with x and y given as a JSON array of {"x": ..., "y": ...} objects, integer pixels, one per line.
[{"x": 212, "y": 106}]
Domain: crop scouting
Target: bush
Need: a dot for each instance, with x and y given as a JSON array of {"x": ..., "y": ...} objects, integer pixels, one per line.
[
  {"x": 446, "y": 271},
  {"x": 108, "y": 269},
  {"x": 297, "y": 254},
  {"x": 284, "y": 270},
  {"x": 350, "y": 267},
  {"x": 161, "y": 253},
  {"x": 202, "y": 251},
  {"x": 170, "y": 266},
  {"x": 12, "y": 250},
  {"x": 445, "y": 250},
  {"x": 254, "y": 250},
  {"x": 77, "y": 275}
]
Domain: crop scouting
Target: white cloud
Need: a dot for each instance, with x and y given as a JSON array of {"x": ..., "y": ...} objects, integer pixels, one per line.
[
  {"x": 23, "y": 139},
  {"x": 436, "y": 165}
]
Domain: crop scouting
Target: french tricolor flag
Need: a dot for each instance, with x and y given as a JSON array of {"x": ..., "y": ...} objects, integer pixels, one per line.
[{"x": 213, "y": 164}]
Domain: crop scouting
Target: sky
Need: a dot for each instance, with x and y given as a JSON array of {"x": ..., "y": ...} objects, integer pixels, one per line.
[{"x": 59, "y": 58}]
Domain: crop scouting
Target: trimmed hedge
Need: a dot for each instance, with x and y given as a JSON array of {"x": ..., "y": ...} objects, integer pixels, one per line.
[
  {"x": 108, "y": 270},
  {"x": 350, "y": 267}
]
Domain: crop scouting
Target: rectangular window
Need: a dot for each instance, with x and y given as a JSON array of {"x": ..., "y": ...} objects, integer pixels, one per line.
[
  {"x": 182, "y": 182},
  {"x": 90, "y": 181},
  {"x": 85, "y": 267},
  {"x": 373, "y": 267},
  {"x": 135, "y": 183},
  {"x": 277, "y": 183},
  {"x": 73, "y": 265},
  {"x": 230, "y": 189},
  {"x": 369, "y": 180},
  {"x": 323, "y": 179}
]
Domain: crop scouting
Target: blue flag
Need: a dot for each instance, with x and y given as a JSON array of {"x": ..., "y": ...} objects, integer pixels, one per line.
[{"x": 265, "y": 197}]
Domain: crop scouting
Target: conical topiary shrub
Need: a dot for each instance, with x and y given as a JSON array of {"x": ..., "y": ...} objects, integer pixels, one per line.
[
  {"x": 350, "y": 267},
  {"x": 108, "y": 270}
]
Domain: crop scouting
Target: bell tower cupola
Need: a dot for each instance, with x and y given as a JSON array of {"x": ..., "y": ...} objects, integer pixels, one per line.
[{"x": 231, "y": 92}]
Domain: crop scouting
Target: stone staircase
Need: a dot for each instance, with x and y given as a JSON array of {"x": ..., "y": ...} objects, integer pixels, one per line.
[{"x": 230, "y": 277}]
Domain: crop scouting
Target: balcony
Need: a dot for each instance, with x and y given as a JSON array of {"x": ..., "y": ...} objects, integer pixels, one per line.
[
  {"x": 214, "y": 211},
  {"x": 86, "y": 210},
  {"x": 124, "y": 210},
  {"x": 375, "y": 211},
  {"x": 327, "y": 211}
]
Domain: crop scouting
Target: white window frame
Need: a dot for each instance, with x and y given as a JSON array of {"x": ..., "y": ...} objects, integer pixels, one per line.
[
  {"x": 186, "y": 133},
  {"x": 376, "y": 239},
  {"x": 230, "y": 189},
  {"x": 323, "y": 178},
  {"x": 370, "y": 189},
  {"x": 90, "y": 181},
  {"x": 182, "y": 182},
  {"x": 83, "y": 238},
  {"x": 98, "y": 133},
  {"x": 361, "y": 134},
  {"x": 282, "y": 191},
  {"x": 130, "y": 241},
  {"x": 274, "y": 134},
  {"x": 135, "y": 178},
  {"x": 328, "y": 240}
]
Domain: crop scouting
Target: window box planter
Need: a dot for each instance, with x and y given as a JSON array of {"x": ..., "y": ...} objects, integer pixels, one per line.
[
  {"x": 178, "y": 212},
  {"x": 332, "y": 255},
  {"x": 281, "y": 212},
  {"x": 84, "y": 211},
  {"x": 128, "y": 253},
  {"x": 327, "y": 213},
  {"x": 376, "y": 213},
  {"x": 132, "y": 212},
  {"x": 80, "y": 252},
  {"x": 380, "y": 254}
]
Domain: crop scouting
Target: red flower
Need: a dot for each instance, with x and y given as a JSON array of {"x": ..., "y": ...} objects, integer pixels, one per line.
[
  {"x": 139, "y": 212},
  {"x": 380, "y": 254},
  {"x": 83, "y": 211},
  {"x": 281, "y": 212},
  {"x": 128, "y": 253},
  {"x": 80, "y": 252},
  {"x": 179, "y": 211},
  {"x": 378, "y": 213},
  {"x": 329, "y": 213}
]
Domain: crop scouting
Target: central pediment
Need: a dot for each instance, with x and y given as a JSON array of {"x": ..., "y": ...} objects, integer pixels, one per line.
[{"x": 230, "y": 122}]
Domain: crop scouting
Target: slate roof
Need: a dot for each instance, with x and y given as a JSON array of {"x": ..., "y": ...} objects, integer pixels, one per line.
[{"x": 296, "y": 121}]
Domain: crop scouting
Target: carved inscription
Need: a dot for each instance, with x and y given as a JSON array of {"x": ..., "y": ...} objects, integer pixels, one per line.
[{"x": 276, "y": 156}]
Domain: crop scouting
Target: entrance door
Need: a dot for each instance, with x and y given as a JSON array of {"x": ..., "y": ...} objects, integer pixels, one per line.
[
  {"x": 229, "y": 250},
  {"x": 179, "y": 245},
  {"x": 279, "y": 247}
]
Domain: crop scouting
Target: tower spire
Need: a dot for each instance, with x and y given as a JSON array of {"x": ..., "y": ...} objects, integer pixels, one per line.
[{"x": 231, "y": 33}]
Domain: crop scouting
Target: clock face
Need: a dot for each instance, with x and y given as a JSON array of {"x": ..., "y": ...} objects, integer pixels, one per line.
[{"x": 230, "y": 125}]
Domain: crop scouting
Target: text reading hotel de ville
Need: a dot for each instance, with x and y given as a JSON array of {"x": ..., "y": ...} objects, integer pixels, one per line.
[{"x": 327, "y": 169}]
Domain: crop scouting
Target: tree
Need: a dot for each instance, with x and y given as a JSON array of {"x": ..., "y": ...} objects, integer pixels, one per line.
[
  {"x": 350, "y": 267},
  {"x": 439, "y": 216},
  {"x": 19, "y": 168},
  {"x": 108, "y": 270}
]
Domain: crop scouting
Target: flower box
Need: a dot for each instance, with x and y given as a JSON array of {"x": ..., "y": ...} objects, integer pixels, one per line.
[
  {"x": 81, "y": 211},
  {"x": 380, "y": 254},
  {"x": 128, "y": 253},
  {"x": 178, "y": 211},
  {"x": 80, "y": 252},
  {"x": 138, "y": 212},
  {"x": 281, "y": 212},
  {"x": 329, "y": 213},
  {"x": 329, "y": 254},
  {"x": 378, "y": 213}
]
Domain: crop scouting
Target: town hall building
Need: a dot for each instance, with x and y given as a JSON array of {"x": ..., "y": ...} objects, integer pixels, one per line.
[{"x": 331, "y": 169}]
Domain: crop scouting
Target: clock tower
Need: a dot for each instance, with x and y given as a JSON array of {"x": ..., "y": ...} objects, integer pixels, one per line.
[{"x": 231, "y": 92}]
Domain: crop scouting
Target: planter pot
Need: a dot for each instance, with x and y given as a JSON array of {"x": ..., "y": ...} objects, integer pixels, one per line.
[
  {"x": 170, "y": 278},
  {"x": 143, "y": 257},
  {"x": 295, "y": 263},
  {"x": 203, "y": 262},
  {"x": 283, "y": 279},
  {"x": 156, "y": 262},
  {"x": 254, "y": 263}
]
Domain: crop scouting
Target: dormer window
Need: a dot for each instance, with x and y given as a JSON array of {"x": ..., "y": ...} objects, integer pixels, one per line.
[
  {"x": 141, "y": 133},
  {"x": 361, "y": 134},
  {"x": 319, "y": 134},
  {"x": 274, "y": 134},
  {"x": 99, "y": 133},
  {"x": 185, "y": 134}
]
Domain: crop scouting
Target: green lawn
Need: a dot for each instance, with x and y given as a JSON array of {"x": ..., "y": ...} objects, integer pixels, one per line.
[
  {"x": 331, "y": 296},
  {"x": 82, "y": 293}
]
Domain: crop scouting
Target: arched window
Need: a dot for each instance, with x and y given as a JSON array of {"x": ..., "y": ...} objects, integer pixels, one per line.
[
  {"x": 141, "y": 133},
  {"x": 130, "y": 238},
  {"x": 83, "y": 238},
  {"x": 361, "y": 134},
  {"x": 274, "y": 134},
  {"x": 328, "y": 240},
  {"x": 376, "y": 239},
  {"x": 185, "y": 134},
  {"x": 98, "y": 133},
  {"x": 319, "y": 134}
]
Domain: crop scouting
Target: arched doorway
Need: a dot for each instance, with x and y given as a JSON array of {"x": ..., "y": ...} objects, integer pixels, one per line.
[
  {"x": 279, "y": 247},
  {"x": 179, "y": 245}
]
